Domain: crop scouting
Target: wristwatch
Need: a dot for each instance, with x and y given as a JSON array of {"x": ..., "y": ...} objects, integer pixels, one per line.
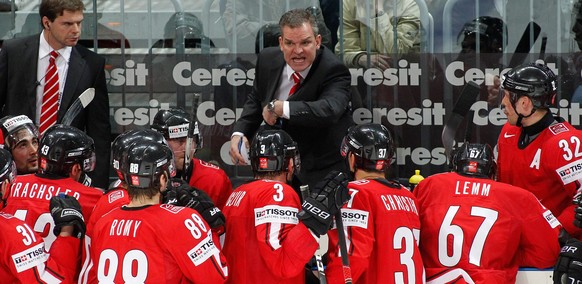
[{"x": 271, "y": 106}]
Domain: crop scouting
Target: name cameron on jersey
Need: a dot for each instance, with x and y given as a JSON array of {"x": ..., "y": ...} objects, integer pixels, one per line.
[{"x": 39, "y": 191}]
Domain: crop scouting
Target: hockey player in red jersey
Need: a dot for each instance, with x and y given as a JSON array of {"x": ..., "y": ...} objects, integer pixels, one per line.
[
  {"x": 20, "y": 137},
  {"x": 23, "y": 258},
  {"x": 470, "y": 223},
  {"x": 65, "y": 152},
  {"x": 268, "y": 239},
  {"x": 164, "y": 243},
  {"x": 174, "y": 125},
  {"x": 537, "y": 151},
  {"x": 381, "y": 219}
]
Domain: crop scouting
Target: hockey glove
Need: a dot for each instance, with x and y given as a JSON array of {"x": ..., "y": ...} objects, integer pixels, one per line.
[
  {"x": 325, "y": 201},
  {"x": 578, "y": 212},
  {"x": 66, "y": 211},
  {"x": 201, "y": 202},
  {"x": 568, "y": 269}
]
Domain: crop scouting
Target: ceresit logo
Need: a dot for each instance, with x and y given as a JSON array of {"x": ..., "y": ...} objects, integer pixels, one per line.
[{"x": 184, "y": 76}]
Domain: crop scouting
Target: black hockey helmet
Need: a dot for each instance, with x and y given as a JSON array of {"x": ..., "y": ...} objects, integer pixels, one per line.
[
  {"x": 14, "y": 128},
  {"x": 474, "y": 160},
  {"x": 271, "y": 150},
  {"x": 535, "y": 80},
  {"x": 372, "y": 145},
  {"x": 175, "y": 123},
  {"x": 7, "y": 166},
  {"x": 148, "y": 161},
  {"x": 122, "y": 142},
  {"x": 492, "y": 34},
  {"x": 62, "y": 146}
]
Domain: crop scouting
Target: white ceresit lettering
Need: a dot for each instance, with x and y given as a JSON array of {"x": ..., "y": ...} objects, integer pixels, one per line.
[
  {"x": 132, "y": 75},
  {"x": 208, "y": 115},
  {"x": 184, "y": 76},
  {"x": 405, "y": 75},
  {"x": 138, "y": 116},
  {"x": 479, "y": 75},
  {"x": 429, "y": 114}
]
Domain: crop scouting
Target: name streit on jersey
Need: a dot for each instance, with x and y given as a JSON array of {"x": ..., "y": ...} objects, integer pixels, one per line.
[
  {"x": 397, "y": 202},
  {"x": 472, "y": 188},
  {"x": 39, "y": 191},
  {"x": 124, "y": 228}
]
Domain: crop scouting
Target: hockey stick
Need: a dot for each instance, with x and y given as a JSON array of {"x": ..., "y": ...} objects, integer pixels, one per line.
[
  {"x": 460, "y": 110},
  {"x": 193, "y": 132},
  {"x": 343, "y": 247},
  {"x": 543, "y": 47},
  {"x": 78, "y": 105},
  {"x": 320, "y": 272},
  {"x": 525, "y": 43}
]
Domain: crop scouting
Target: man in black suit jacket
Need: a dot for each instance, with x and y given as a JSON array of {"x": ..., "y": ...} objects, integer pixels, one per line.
[
  {"x": 317, "y": 115},
  {"x": 21, "y": 78}
]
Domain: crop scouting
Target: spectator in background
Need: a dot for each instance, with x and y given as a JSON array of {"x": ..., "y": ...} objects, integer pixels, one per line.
[
  {"x": 386, "y": 30},
  {"x": 243, "y": 20},
  {"x": 24, "y": 63},
  {"x": 331, "y": 16},
  {"x": 20, "y": 137},
  {"x": 303, "y": 87}
]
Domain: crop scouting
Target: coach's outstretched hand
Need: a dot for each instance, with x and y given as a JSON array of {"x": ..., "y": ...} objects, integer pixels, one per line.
[
  {"x": 66, "y": 211},
  {"x": 568, "y": 269},
  {"x": 326, "y": 199}
]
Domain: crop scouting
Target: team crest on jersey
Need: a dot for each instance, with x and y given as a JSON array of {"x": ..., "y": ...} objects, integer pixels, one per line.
[
  {"x": 29, "y": 258},
  {"x": 209, "y": 165},
  {"x": 355, "y": 218},
  {"x": 558, "y": 128},
  {"x": 203, "y": 251},
  {"x": 570, "y": 172},
  {"x": 276, "y": 214},
  {"x": 171, "y": 208},
  {"x": 116, "y": 195}
]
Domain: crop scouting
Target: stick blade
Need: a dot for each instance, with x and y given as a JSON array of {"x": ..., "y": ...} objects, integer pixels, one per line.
[
  {"x": 87, "y": 97},
  {"x": 462, "y": 106},
  {"x": 525, "y": 44}
]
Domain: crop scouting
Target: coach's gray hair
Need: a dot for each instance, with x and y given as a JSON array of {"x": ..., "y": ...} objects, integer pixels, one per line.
[{"x": 297, "y": 17}]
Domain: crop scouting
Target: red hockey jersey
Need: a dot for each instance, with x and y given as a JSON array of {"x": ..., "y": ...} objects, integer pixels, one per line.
[
  {"x": 23, "y": 258},
  {"x": 212, "y": 180},
  {"x": 550, "y": 167},
  {"x": 486, "y": 228},
  {"x": 155, "y": 244},
  {"x": 382, "y": 230},
  {"x": 265, "y": 242},
  {"x": 29, "y": 200}
]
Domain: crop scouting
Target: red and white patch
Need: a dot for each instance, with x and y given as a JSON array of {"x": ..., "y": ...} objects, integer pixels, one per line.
[{"x": 558, "y": 128}]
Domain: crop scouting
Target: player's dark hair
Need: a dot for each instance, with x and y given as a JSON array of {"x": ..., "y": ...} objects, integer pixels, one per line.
[{"x": 54, "y": 8}]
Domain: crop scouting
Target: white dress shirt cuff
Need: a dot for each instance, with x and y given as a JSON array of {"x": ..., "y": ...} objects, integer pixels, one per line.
[{"x": 286, "y": 110}]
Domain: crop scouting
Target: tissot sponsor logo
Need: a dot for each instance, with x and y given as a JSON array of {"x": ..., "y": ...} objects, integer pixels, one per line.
[
  {"x": 355, "y": 218},
  {"x": 29, "y": 258},
  {"x": 203, "y": 251},
  {"x": 570, "y": 172},
  {"x": 275, "y": 213}
]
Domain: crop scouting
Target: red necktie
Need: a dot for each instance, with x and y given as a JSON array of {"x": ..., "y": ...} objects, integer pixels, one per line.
[
  {"x": 297, "y": 79},
  {"x": 50, "y": 96}
]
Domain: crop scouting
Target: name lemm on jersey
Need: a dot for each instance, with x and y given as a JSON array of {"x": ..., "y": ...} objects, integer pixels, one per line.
[{"x": 276, "y": 214}]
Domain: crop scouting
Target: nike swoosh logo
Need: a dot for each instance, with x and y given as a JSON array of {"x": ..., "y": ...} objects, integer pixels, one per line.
[{"x": 505, "y": 135}]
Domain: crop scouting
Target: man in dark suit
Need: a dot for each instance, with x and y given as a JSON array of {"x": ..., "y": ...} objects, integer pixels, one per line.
[
  {"x": 23, "y": 65},
  {"x": 314, "y": 109}
]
